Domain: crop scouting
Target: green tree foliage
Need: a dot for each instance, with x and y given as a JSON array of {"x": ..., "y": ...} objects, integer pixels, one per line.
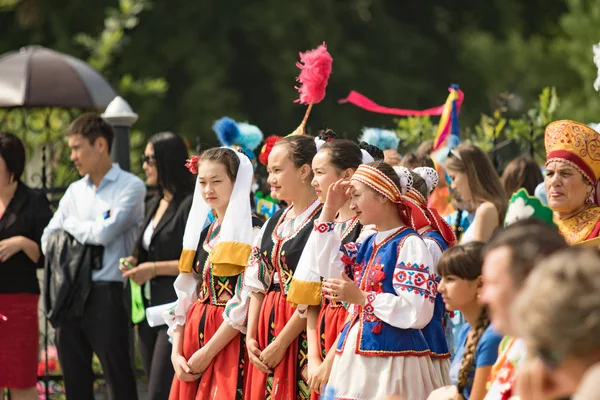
[
  {"x": 237, "y": 57},
  {"x": 413, "y": 131}
]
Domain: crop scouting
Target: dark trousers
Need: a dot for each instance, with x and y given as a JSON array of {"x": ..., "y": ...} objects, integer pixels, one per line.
[
  {"x": 155, "y": 350},
  {"x": 103, "y": 330}
]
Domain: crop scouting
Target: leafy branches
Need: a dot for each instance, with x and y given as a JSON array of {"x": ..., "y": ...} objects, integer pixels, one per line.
[{"x": 413, "y": 131}]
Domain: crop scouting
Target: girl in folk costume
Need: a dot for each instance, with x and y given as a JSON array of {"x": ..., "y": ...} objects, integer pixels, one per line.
[
  {"x": 438, "y": 237},
  {"x": 208, "y": 348},
  {"x": 381, "y": 350},
  {"x": 276, "y": 337},
  {"x": 336, "y": 159}
]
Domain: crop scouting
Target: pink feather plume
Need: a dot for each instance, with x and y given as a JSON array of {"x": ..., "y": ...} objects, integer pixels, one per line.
[{"x": 315, "y": 68}]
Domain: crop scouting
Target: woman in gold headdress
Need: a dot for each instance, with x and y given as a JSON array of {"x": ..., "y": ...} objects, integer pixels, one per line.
[{"x": 572, "y": 179}]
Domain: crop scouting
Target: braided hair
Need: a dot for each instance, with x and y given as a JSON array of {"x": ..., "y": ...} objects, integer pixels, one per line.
[
  {"x": 470, "y": 348},
  {"x": 465, "y": 262}
]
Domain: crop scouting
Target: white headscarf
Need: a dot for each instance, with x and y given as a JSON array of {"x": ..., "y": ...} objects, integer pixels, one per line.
[{"x": 230, "y": 255}]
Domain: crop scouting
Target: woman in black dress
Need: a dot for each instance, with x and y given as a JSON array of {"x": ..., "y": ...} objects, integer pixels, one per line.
[{"x": 155, "y": 264}]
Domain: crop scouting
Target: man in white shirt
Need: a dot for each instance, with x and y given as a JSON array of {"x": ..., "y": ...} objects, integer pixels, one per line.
[{"x": 106, "y": 208}]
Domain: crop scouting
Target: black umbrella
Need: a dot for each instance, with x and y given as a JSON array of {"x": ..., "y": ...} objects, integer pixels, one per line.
[{"x": 39, "y": 77}]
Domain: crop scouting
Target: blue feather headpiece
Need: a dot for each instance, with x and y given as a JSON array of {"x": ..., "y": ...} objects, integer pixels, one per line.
[
  {"x": 227, "y": 131},
  {"x": 382, "y": 138},
  {"x": 242, "y": 135},
  {"x": 250, "y": 136}
]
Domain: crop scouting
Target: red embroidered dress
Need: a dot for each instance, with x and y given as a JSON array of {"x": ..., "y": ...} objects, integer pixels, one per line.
[
  {"x": 217, "y": 299},
  {"x": 274, "y": 259}
]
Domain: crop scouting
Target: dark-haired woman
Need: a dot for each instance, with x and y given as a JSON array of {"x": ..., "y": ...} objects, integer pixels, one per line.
[
  {"x": 276, "y": 338},
  {"x": 476, "y": 180},
  {"x": 477, "y": 343},
  {"x": 158, "y": 250},
  {"x": 335, "y": 160},
  {"x": 521, "y": 172},
  {"x": 23, "y": 216}
]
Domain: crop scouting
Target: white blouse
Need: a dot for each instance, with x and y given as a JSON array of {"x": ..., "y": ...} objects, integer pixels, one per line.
[{"x": 147, "y": 236}]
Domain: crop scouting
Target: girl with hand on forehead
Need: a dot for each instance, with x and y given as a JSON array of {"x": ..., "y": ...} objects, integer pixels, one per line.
[
  {"x": 381, "y": 350},
  {"x": 336, "y": 159}
]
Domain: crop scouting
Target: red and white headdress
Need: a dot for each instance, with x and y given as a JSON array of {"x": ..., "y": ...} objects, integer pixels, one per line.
[
  {"x": 379, "y": 182},
  {"x": 420, "y": 215}
]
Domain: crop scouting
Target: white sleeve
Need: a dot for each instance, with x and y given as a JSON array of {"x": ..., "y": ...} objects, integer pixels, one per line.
[
  {"x": 436, "y": 253},
  {"x": 415, "y": 287},
  {"x": 327, "y": 251},
  {"x": 305, "y": 288},
  {"x": 236, "y": 309},
  {"x": 58, "y": 219},
  {"x": 257, "y": 277},
  {"x": 186, "y": 286}
]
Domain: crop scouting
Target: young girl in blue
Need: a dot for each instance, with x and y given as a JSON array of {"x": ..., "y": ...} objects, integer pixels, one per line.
[
  {"x": 477, "y": 344},
  {"x": 381, "y": 350}
]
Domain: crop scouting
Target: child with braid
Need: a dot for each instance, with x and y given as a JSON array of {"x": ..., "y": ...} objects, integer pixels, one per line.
[{"x": 477, "y": 344}]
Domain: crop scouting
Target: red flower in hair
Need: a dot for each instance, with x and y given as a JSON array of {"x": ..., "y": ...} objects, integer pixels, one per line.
[
  {"x": 192, "y": 164},
  {"x": 267, "y": 147}
]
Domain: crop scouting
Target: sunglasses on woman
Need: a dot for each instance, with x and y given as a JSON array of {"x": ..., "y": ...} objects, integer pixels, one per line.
[{"x": 148, "y": 159}]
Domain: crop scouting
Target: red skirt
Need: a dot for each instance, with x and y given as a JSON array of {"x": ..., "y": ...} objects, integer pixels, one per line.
[
  {"x": 19, "y": 338},
  {"x": 329, "y": 324},
  {"x": 289, "y": 379},
  {"x": 224, "y": 378}
]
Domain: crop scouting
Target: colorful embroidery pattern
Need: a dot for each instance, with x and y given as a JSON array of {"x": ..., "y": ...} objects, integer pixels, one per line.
[
  {"x": 324, "y": 227},
  {"x": 369, "y": 305},
  {"x": 350, "y": 251},
  {"x": 415, "y": 278}
]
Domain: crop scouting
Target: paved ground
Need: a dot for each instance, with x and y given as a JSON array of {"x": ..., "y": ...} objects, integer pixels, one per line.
[{"x": 142, "y": 392}]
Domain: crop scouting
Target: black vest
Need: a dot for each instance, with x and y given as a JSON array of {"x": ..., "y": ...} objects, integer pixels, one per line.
[
  {"x": 281, "y": 255},
  {"x": 214, "y": 290}
]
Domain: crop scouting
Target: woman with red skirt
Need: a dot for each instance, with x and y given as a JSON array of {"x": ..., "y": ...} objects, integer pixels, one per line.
[
  {"x": 24, "y": 215},
  {"x": 209, "y": 316},
  {"x": 276, "y": 337}
]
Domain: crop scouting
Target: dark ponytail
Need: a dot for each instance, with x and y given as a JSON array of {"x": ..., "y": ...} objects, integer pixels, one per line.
[{"x": 374, "y": 151}]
